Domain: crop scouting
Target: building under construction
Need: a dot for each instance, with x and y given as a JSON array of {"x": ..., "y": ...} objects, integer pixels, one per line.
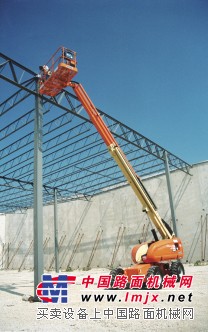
[{"x": 64, "y": 200}]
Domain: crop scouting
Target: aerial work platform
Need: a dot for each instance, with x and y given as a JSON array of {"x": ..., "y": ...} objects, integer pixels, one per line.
[
  {"x": 58, "y": 72},
  {"x": 155, "y": 257}
]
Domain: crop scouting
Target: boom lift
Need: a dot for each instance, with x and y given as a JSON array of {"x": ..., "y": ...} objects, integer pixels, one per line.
[{"x": 156, "y": 257}]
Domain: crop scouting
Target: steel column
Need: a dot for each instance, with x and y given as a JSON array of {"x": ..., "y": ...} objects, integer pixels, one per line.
[
  {"x": 38, "y": 195},
  {"x": 56, "y": 232},
  {"x": 172, "y": 207}
]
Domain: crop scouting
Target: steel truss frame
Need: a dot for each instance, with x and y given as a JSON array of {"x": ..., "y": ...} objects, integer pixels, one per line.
[{"x": 75, "y": 161}]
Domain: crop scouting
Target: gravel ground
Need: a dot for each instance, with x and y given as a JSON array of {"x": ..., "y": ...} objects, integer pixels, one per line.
[{"x": 188, "y": 311}]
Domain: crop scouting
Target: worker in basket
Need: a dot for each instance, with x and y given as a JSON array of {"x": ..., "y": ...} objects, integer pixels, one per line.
[{"x": 45, "y": 72}]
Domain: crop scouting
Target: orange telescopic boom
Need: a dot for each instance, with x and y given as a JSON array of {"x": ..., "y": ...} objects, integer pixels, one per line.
[
  {"x": 116, "y": 152},
  {"x": 149, "y": 257}
]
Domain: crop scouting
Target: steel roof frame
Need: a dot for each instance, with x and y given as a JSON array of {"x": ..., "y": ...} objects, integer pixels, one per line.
[{"x": 75, "y": 161}]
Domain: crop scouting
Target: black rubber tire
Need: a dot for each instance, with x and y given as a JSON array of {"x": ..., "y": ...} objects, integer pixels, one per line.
[
  {"x": 177, "y": 268},
  {"x": 155, "y": 270},
  {"x": 114, "y": 273}
]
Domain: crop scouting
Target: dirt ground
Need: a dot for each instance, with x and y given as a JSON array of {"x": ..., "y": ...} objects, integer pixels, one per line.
[{"x": 189, "y": 311}]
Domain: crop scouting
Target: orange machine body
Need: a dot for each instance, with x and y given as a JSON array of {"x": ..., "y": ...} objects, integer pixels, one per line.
[{"x": 158, "y": 251}]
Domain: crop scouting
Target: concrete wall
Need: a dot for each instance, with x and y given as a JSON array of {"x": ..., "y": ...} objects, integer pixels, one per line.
[
  {"x": 101, "y": 232},
  {"x": 2, "y": 240}
]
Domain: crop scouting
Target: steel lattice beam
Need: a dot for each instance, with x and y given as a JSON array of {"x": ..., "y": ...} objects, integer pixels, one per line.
[{"x": 75, "y": 160}]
